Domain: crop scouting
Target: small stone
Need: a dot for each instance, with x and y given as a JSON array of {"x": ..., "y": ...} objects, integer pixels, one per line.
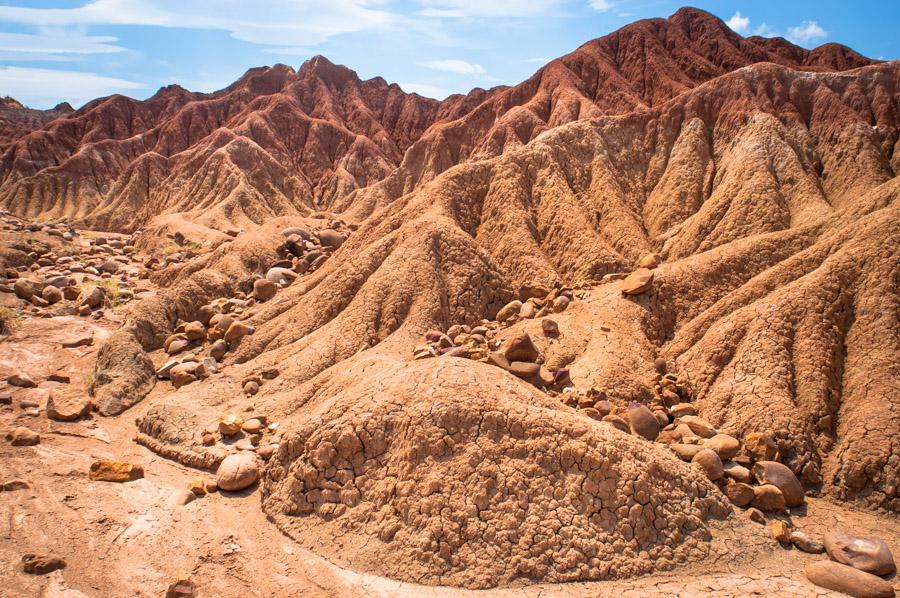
[
  {"x": 736, "y": 472},
  {"x": 725, "y": 446},
  {"x": 252, "y": 426},
  {"x": 682, "y": 409},
  {"x": 106, "y": 470},
  {"x": 768, "y": 498},
  {"x": 92, "y": 297},
  {"x": 760, "y": 446},
  {"x": 509, "y": 310},
  {"x": 868, "y": 554},
  {"x": 331, "y": 238},
  {"x": 739, "y": 494},
  {"x": 22, "y": 436},
  {"x": 20, "y": 379},
  {"x": 251, "y": 387},
  {"x": 643, "y": 422},
  {"x": 181, "y": 497},
  {"x": 637, "y": 282},
  {"x": 237, "y": 471},
  {"x": 756, "y": 516},
  {"x": 237, "y": 331},
  {"x": 550, "y": 327},
  {"x": 197, "y": 486},
  {"x": 806, "y": 543},
  {"x": 85, "y": 340},
  {"x": 698, "y": 426},
  {"x": 525, "y": 370},
  {"x": 267, "y": 451},
  {"x": 781, "y": 531},
  {"x": 651, "y": 260},
  {"x": 617, "y": 422},
  {"x": 560, "y": 304},
  {"x": 51, "y": 294},
  {"x": 660, "y": 365},
  {"x": 230, "y": 425},
  {"x": 777, "y": 474},
  {"x": 264, "y": 289},
  {"x": 846, "y": 579},
  {"x": 685, "y": 452},
  {"x": 520, "y": 348},
  {"x": 181, "y": 588},
  {"x": 13, "y": 485},
  {"x": 183, "y": 373},
  {"x": 218, "y": 349},
  {"x": 41, "y": 564},
  {"x": 195, "y": 331},
  {"x": 68, "y": 406},
  {"x": 707, "y": 460}
]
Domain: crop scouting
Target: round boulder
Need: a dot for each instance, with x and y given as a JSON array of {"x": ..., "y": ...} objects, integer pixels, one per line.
[{"x": 237, "y": 472}]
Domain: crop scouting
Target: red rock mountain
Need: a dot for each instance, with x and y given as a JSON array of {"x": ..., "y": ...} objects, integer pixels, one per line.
[
  {"x": 16, "y": 120},
  {"x": 279, "y": 141}
]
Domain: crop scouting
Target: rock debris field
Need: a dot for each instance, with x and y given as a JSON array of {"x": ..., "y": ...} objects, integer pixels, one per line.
[{"x": 581, "y": 336}]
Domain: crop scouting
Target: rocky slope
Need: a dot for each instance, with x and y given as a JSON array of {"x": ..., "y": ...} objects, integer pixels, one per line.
[{"x": 754, "y": 181}]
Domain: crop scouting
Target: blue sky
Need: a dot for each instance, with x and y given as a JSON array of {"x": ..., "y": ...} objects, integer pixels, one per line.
[{"x": 76, "y": 50}]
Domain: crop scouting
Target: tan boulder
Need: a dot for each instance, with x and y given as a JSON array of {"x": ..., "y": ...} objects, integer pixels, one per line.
[
  {"x": 22, "y": 436},
  {"x": 760, "y": 446},
  {"x": 739, "y": 494},
  {"x": 637, "y": 282},
  {"x": 105, "y": 470},
  {"x": 237, "y": 471},
  {"x": 725, "y": 446},
  {"x": 777, "y": 474},
  {"x": 708, "y": 461},
  {"x": 865, "y": 553},
  {"x": 643, "y": 422},
  {"x": 846, "y": 579},
  {"x": 519, "y": 348},
  {"x": 67, "y": 406},
  {"x": 768, "y": 498},
  {"x": 264, "y": 289}
]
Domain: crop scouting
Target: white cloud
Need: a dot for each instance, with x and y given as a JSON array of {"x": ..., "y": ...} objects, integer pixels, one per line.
[
  {"x": 46, "y": 87},
  {"x": 460, "y": 67},
  {"x": 53, "y": 42},
  {"x": 739, "y": 23},
  {"x": 424, "y": 89},
  {"x": 486, "y": 8},
  {"x": 600, "y": 5},
  {"x": 807, "y": 31},
  {"x": 267, "y": 22},
  {"x": 804, "y": 33}
]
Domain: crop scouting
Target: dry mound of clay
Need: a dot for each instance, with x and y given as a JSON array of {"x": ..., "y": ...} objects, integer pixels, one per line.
[{"x": 447, "y": 474}]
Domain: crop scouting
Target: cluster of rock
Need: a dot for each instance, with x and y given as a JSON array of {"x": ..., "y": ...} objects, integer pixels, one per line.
[
  {"x": 304, "y": 251},
  {"x": 197, "y": 347},
  {"x": 748, "y": 472},
  {"x": 75, "y": 278},
  {"x": 200, "y": 345},
  {"x": 253, "y": 434},
  {"x": 638, "y": 281},
  {"x": 517, "y": 355}
]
